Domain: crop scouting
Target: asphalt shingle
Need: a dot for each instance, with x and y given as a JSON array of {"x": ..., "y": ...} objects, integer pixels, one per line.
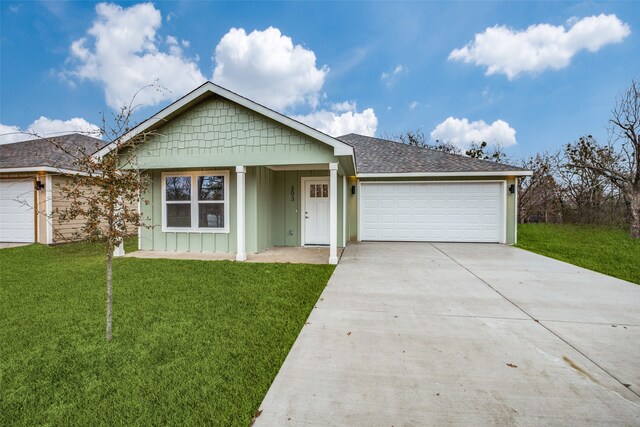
[
  {"x": 44, "y": 153},
  {"x": 375, "y": 155}
]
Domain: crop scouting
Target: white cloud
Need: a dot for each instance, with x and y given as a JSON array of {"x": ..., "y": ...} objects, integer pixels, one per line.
[
  {"x": 9, "y": 134},
  {"x": 413, "y": 105},
  {"x": 341, "y": 121},
  {"x": 540, "y": 47},
  {"x": 462, "y": 132},
  {"x": 399, "y": 69},
  {"x": 174, "y": 46},
  {"x": 121, "y": 51},
  {"x": 267, "y": 67},
  {"x": 341, "y": 107},
  {"x": 391, "y": 77},
  {"x": 45, "y": 127}
]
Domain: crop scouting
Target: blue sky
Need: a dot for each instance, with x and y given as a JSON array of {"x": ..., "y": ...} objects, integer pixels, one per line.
[{"x": 529, "y": 75}]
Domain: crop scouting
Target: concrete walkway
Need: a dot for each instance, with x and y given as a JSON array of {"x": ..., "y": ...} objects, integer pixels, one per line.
[{"x": 462, "y": 334}]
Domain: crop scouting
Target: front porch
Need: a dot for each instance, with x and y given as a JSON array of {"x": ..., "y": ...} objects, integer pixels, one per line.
[
  {"x": 278, "y": 254},
  {"x": 266, "y": 213},
  {"x": 317, "y": 208}
]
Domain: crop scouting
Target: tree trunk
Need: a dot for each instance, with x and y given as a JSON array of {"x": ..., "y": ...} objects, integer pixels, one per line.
[
  {"x": 634, "y": 210},
  {"x": 109, "y": 281}
]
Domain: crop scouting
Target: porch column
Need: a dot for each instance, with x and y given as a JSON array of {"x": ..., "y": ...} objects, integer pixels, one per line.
[
  {"x": 241, "y": 254},
  {"x": 333, "y": 213},
  {"x": 118, "y": 251}
]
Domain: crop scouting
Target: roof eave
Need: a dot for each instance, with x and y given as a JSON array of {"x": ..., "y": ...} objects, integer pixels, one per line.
[
  {"x": 51, "y": 169},
  {"x": 516, "y": 173}
]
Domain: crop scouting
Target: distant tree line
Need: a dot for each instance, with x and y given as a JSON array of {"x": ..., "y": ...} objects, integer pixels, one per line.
[{"x": 585, "y": 181}]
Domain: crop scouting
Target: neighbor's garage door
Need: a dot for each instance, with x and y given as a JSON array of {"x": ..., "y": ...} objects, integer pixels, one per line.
[
  {"x": 438, "y": 212},
  {"x": 16, "y": 218}
]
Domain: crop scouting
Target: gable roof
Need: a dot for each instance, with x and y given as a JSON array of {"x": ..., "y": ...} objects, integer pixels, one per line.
[
  {"x": 207, "y": 89},
  {"x": 43, "y": 155},
  {"x": 381, "y": 157}
]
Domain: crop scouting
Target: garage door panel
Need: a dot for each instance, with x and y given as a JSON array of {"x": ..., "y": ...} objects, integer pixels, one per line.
[
  {"x": 16, "y": 210},
  {"x": 387, "y": 203},
  {"x": 465, "y": 212}
]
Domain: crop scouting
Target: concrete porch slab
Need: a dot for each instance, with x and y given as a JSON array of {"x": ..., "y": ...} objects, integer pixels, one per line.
[
  {"x": 293, "y": 255},
  {"x": 7, "y": 245}
]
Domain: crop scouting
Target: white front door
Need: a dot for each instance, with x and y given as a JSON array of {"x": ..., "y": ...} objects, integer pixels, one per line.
[{"x": 316, "y": 212}]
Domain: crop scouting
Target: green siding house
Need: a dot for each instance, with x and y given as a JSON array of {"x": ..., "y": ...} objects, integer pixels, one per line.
[{"x": 230, "y": 175}]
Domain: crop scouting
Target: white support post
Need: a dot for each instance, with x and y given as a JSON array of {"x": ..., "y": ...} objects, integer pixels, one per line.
[
  {"x": 118, "y": 251},
  {"x": 515, "y": 212},
  {"x": 140, "y": 219},
  {"x": 48, "y": 200},
  {"x": 241, "y": 254},
  {"x": 333, "y": 213},
  {"x": 344, "y": 211}
]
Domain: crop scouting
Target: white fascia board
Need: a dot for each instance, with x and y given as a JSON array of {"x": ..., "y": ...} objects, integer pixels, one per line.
[
  {"x": 442, "y": 174},
  {"x": 343, "y": 151},
  {"x": 42, "y": 169},
  {"x": 340, "y": 148},
  {"x": 297, "y": 167}
]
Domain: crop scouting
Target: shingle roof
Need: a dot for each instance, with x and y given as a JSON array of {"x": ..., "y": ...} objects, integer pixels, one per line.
[
  {"x": 375, "y": 155},
  {"x": 43, "y": 153}
]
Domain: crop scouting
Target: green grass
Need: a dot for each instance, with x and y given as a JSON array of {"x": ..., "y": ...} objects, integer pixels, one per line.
[
  {"x": 195, "y": 342},
  {"x": 608, "y": 250}
]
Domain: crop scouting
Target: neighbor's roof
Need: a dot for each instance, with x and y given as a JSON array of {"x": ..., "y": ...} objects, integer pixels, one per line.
[
  {"x": 381, "y": 156},
  {"x": 43, "y": 154}
]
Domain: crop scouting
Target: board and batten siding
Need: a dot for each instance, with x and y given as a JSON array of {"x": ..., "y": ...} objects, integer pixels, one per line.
[
  {"x": 511, "y": 235},
  {"x": 287, "y": 213},
  {"x": 220, "y": 134},
  {"x": 153, "y": 238},
  {"x": 271, "y": 218}
]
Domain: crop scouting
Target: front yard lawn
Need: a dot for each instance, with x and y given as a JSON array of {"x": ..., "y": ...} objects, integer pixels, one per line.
[
  {"x": 608, "y": 250},
  {"x": 195, "y": 342}
]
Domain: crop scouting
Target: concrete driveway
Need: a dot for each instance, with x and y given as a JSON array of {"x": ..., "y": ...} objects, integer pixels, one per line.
[{"x": 462, "y": 334}]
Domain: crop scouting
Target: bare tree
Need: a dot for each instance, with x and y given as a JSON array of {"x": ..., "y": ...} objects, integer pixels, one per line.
[
  {"x": 495, "y": 153},
  {"x": 445, "y": 147},
  {"x": 539, "y": 194},
  {"x": 417, "y": 138},
  {"x": 587, "y": 196},
  {"x": 105, "y": 193},
  {"x": 619, "y": 160},
  {"x": 411, "y": 137}
]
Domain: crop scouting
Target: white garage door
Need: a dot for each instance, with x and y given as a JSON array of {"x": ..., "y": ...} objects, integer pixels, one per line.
[
  {"x": 432, "y": 212},
  {"x": 16, "y": 218}
]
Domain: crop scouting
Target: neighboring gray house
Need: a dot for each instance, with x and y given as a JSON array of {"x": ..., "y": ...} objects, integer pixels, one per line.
[{"x": 230, "y": 175}]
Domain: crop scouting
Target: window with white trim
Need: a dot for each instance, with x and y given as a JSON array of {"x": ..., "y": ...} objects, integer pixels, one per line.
[{"x": 195, "y": 201}]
